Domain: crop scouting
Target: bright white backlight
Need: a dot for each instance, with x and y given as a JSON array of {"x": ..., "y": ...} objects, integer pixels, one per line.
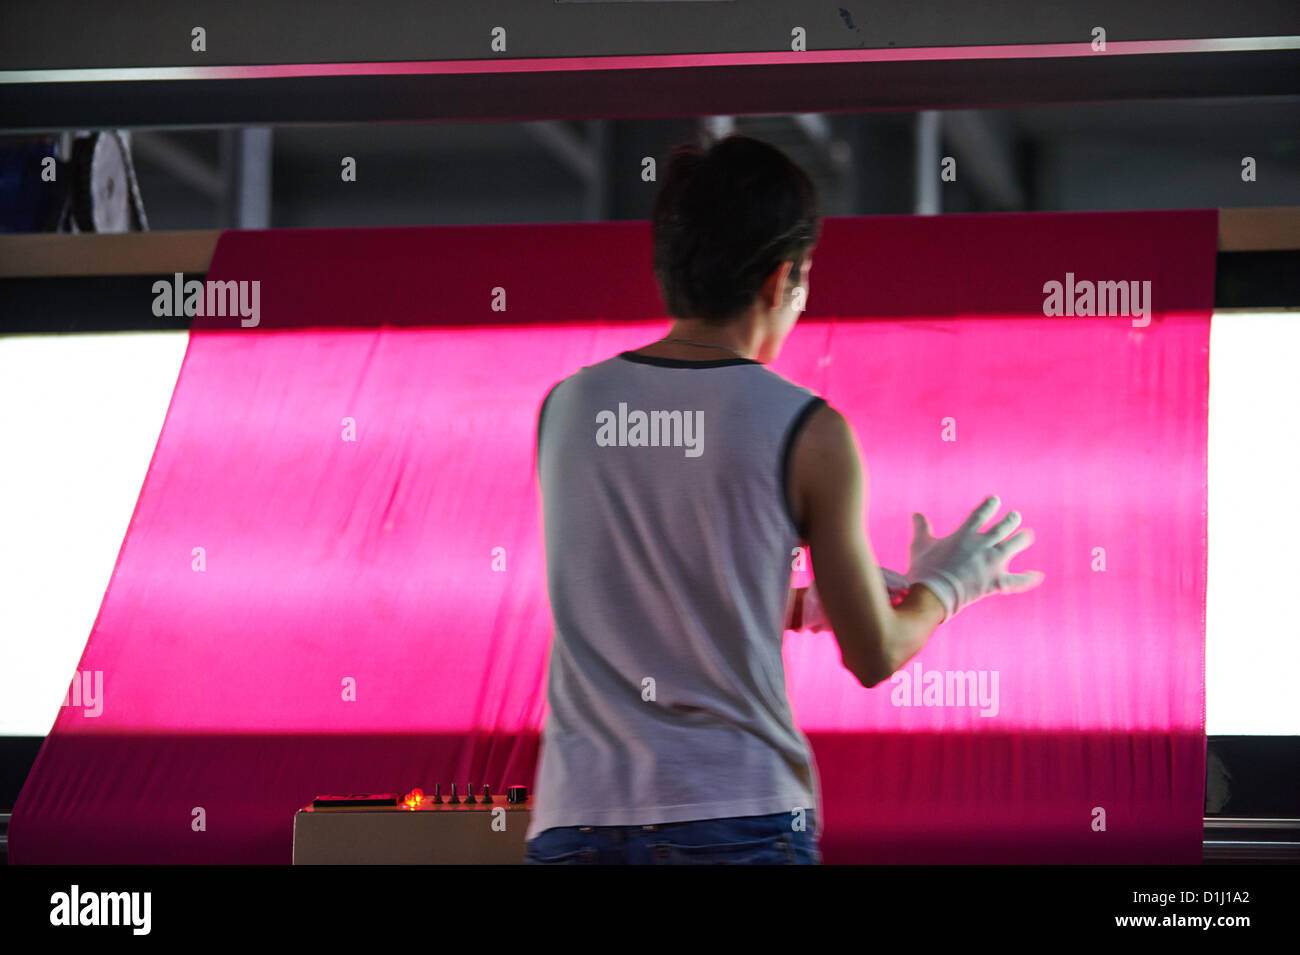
[
  {"x": 82, "y": 416},
  {"x": 1252, "y": 641}
]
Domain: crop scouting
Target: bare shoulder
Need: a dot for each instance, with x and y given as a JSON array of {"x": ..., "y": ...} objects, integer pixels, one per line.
[
  {"x": 826, "y": 435},
  {"x": 826, "y": 473}
]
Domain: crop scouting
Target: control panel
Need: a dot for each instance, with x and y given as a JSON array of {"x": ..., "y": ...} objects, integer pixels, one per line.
[{"x": 455, "y": 827}]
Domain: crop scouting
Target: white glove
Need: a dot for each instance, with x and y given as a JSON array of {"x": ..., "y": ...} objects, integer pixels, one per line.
[{"x": 968, "y": 565}]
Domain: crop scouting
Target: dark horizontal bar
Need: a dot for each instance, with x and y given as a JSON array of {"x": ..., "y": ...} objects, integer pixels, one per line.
[
  {"x": 1268, "y": 279},
  {"x": 826, "y": 87},
  {"x": 53, "y": 33},
  {"x": 1250, "y": 822},
  {"x": 114, "y": 303}
]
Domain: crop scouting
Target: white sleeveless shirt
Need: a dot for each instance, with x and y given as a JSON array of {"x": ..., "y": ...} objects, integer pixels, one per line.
[{"x": 669, "y": 541}]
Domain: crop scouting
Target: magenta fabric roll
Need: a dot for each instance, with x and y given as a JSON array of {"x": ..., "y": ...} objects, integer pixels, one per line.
[{"x": 333, "y": 578}]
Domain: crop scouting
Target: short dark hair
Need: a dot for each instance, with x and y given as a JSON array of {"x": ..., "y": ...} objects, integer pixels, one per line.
[{"x": 723, "y": 220}]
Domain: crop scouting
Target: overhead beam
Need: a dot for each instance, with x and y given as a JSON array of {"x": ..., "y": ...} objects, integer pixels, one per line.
[{"x": 721, "y": 84}]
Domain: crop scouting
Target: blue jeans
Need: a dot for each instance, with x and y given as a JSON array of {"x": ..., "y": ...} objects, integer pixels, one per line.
[{"x": 740, "y": 840}]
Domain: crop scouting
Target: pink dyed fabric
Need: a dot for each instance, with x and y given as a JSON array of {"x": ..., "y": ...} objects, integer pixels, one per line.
[{"x": 370, "y": 563}]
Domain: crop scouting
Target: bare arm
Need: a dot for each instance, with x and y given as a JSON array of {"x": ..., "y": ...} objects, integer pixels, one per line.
[
  {"x": 804, "y": 610},
  {"x": 828, "y": 496}
]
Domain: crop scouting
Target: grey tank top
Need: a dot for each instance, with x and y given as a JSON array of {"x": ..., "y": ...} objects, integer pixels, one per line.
[{"x": 669, "y": 541}]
